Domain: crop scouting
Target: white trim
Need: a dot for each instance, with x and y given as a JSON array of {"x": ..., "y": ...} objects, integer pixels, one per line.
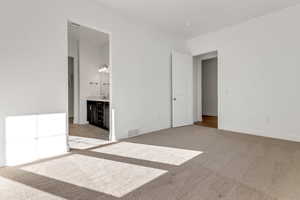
[{"x": 260, "y": 133}]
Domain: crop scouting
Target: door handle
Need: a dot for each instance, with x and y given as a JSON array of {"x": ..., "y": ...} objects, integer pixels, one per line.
[{"x": 174, "y": 99}]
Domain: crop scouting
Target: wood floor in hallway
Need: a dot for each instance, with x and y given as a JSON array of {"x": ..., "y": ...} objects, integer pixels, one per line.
[
  {"x": 188, "y": 163},
  {"x": 208, "y": 121}
]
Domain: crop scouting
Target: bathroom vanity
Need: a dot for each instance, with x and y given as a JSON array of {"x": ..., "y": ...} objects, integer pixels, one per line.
[{"x": 98, "y": 112}]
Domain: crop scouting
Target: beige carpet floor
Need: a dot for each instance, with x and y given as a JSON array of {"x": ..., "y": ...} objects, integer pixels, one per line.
[
  {"x": 86, "y": 136},
  {"x": 88, "y": 131},
  {"x": 76, "y": 142},
  {"x": 185, "y": 163}
]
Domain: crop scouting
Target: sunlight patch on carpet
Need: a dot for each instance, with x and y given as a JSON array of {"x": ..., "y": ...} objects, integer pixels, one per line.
[
  {"x": 167, "y": 155},
  {"x": 106, "y": 176},
  {"x": 76, "y": 142}
]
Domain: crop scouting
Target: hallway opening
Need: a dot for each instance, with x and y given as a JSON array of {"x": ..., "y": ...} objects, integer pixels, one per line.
[{"x": 206, "y": 90}]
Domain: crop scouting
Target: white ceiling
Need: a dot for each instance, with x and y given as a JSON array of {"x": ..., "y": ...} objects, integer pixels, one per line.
[{"x": 190, "y": 18}]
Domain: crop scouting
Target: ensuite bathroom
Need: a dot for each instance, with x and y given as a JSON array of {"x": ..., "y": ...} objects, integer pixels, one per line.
[{"x": 89, "y": 84}]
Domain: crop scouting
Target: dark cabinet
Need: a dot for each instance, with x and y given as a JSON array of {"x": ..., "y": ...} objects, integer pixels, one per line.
[{"x": 98, "y": 114}]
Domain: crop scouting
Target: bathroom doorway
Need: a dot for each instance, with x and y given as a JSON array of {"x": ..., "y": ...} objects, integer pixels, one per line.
[{"x": 89, "y": 84}]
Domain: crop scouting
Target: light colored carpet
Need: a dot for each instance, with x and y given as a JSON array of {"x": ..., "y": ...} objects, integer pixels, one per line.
[
  {"x": 168, "y": 155},
  {"x": 88, "y": 131},
  {"x": 13, "y": 190},
  {"x": 231, "y": 166},
  {"x": 76, "y": 142},
  {"x": 106, "y": 176}
]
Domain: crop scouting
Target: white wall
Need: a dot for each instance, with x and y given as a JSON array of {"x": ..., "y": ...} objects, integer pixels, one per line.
[
  {"x": 104, "y": 77},
  {"x": 258, "y": 74},
  {"x": 33, "y": 63},
  {"x": 73, "y": 51},
  {"x": 210, "y": 87},
  {"x": 197, "y": 88},
  {"x": 90, "y": 61}
]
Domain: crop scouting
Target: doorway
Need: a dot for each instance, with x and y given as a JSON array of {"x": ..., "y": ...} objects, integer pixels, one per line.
[
  {"x": 206, "y": 90},
  {"x": 89, "y": 87},
  {"x": 71, "y": 89}
]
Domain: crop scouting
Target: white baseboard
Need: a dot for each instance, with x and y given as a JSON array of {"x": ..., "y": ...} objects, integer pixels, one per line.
[{"x": 288, "y": 137}]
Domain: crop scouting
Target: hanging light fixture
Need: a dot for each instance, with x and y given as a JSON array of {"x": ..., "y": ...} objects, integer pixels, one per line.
[{"x": 103, "y": 69}]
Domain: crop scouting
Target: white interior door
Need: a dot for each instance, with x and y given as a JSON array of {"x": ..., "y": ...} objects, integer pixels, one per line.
[{"x": 182, "y": 89}]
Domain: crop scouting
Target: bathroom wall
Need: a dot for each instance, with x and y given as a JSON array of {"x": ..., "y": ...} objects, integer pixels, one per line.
[
  {"x": 73, "y": 51},
  {"x": 88, "y": 75},
  {"x": 91, "y": 48},
  {"x": 104, "y": 77}
]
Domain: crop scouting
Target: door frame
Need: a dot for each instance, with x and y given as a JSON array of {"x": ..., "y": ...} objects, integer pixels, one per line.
[
  {"x": 205, "y": 56},
  {"x": 112, "y": 136}
]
